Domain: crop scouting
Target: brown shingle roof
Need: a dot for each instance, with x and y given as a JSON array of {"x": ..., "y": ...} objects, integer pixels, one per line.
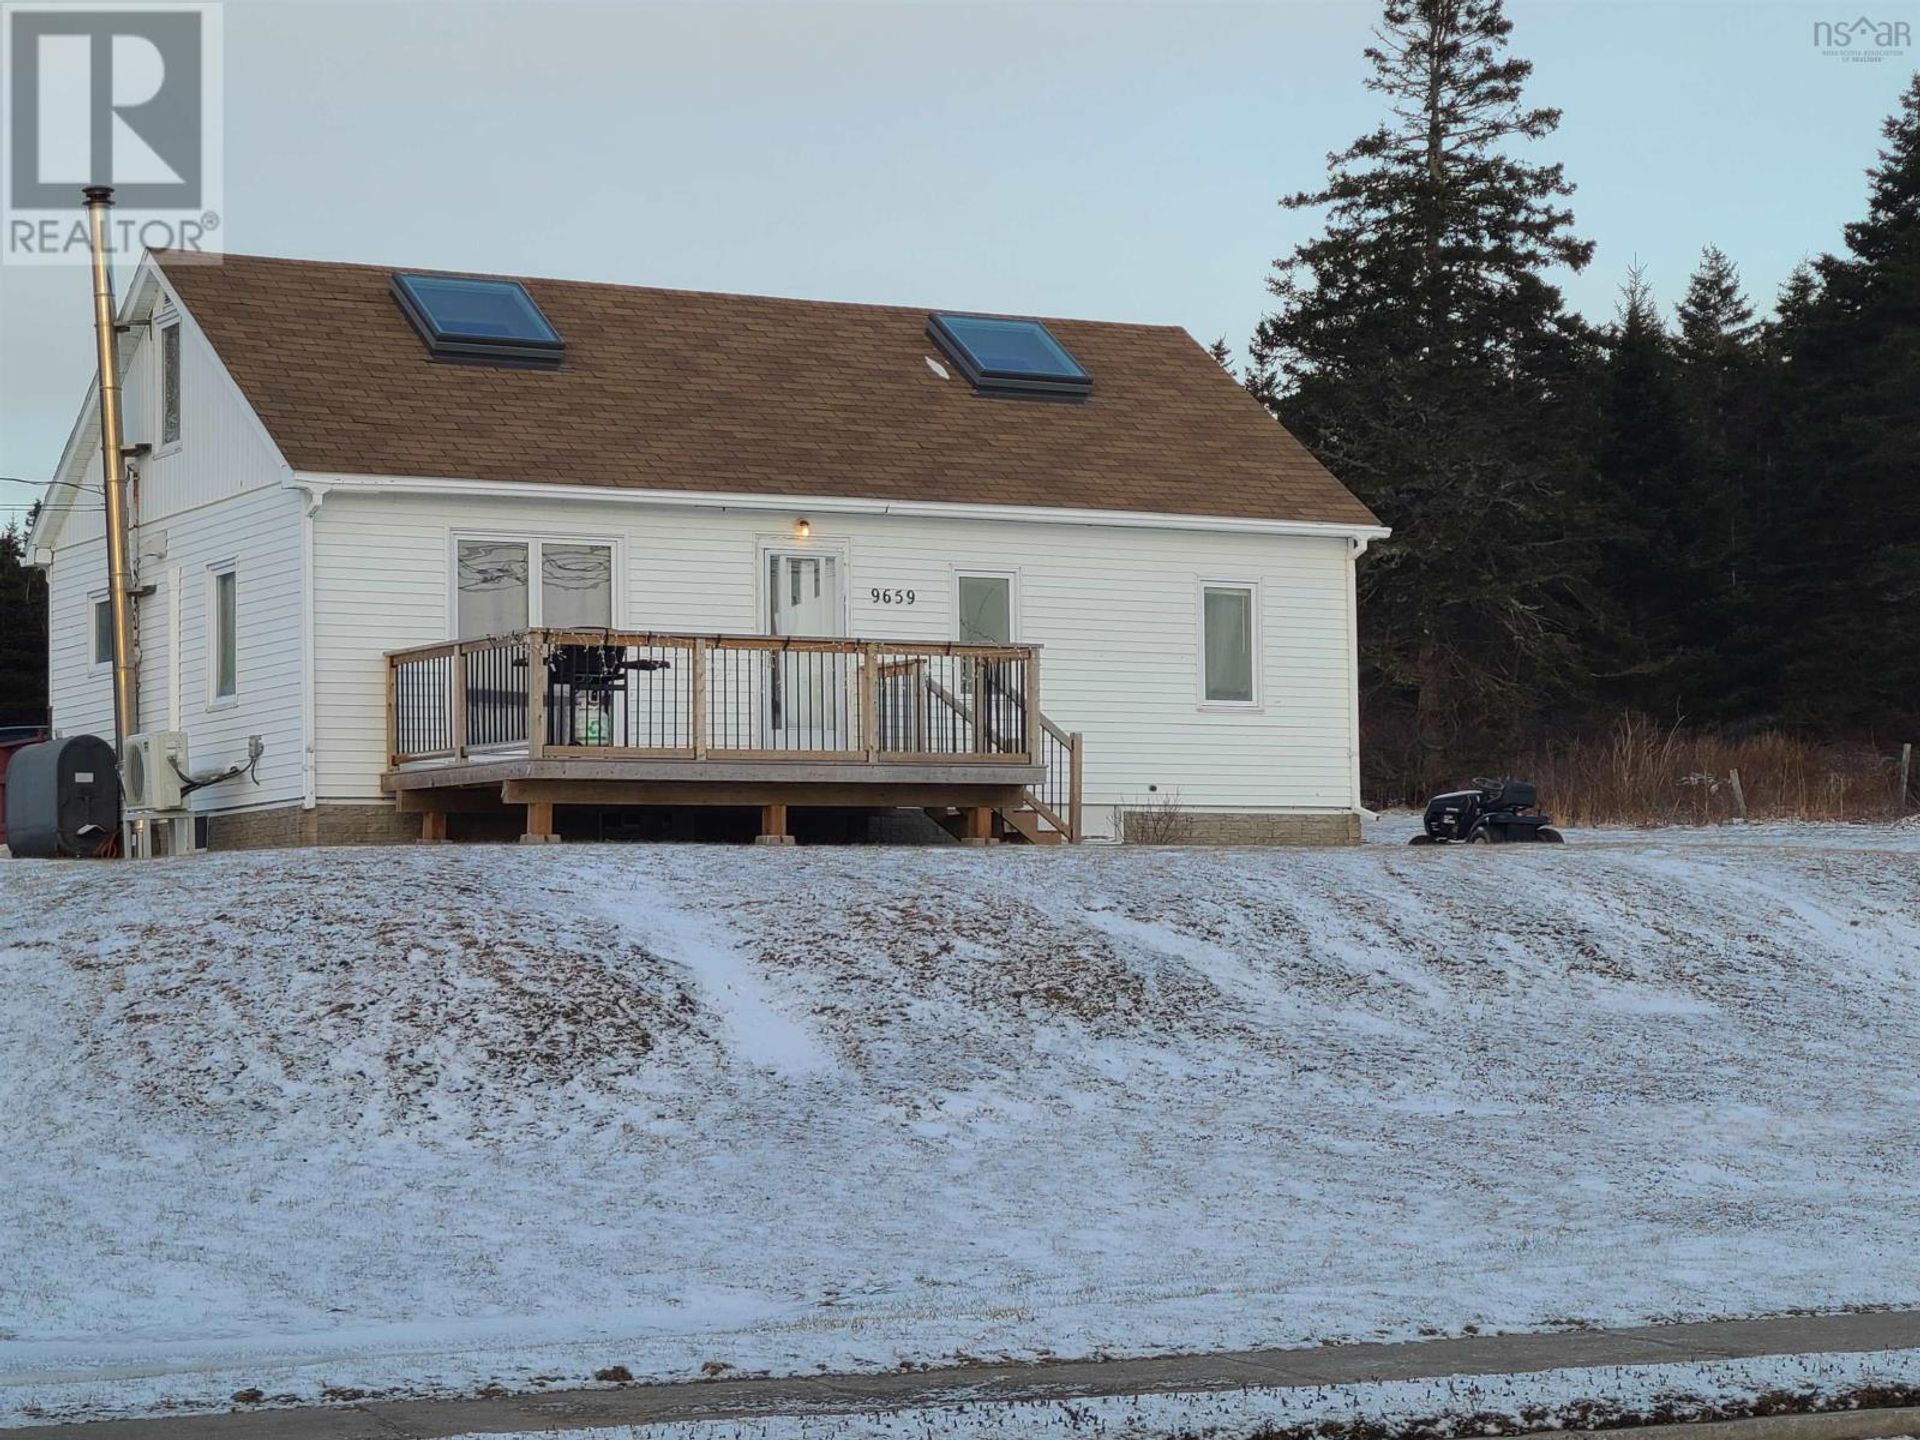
[{"x": 677, "y": 390}]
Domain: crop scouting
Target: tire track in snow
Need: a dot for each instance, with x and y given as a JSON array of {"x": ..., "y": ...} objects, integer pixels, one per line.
[{"x": 761, "y": 1032}]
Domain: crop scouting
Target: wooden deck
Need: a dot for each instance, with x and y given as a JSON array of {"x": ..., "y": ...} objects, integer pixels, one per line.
[{"x": 549, "y": 718}]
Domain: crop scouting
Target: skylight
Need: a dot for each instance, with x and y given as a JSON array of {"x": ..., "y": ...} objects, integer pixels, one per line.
[
  {"x": 477, "y": 319},
  {"x": 1015, "y": 356}
]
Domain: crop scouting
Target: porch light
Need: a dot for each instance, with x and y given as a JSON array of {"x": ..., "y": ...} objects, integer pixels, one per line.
[{"x": 802, "y": 529}]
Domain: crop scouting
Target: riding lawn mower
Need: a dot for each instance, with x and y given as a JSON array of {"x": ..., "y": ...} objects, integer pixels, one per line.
[{"x": 1493, "y": 812}]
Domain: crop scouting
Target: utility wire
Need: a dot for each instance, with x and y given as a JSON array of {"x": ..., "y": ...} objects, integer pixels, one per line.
[{"x": 44, "y": 485}]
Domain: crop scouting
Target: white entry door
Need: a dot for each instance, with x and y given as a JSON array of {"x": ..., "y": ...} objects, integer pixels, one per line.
[{"x": 808, "y": 691}]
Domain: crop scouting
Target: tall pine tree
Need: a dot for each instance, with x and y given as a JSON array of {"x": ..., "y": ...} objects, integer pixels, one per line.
[{"x": 1421, "y": 352}]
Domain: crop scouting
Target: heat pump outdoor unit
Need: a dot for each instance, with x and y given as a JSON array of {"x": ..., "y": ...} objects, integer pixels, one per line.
[{"x": 150, "y": 771}]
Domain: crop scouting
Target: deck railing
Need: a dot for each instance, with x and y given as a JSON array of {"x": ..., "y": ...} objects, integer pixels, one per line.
[{"x": 637, "y": 694}]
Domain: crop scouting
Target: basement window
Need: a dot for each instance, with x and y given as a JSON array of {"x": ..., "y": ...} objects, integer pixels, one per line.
[
  {"x": 484, "y": 320},
  {"x": 1015, "y": 357}
]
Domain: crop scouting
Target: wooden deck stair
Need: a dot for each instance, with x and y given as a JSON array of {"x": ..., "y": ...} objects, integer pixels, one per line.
[
  {"x": 1035, "y": 821},
  {"x": 1019, "y": 825}
]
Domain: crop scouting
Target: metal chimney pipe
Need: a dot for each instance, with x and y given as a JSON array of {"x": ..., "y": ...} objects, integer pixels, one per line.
[{"x": 126, "y": 676}]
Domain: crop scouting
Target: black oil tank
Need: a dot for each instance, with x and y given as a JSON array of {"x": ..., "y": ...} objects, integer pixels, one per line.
[{"x": 63, "y": 798}]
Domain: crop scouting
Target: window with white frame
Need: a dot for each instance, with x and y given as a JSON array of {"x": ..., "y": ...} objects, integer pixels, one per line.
[
  {"x": 495, "y": 589},
  {"x": 1227, "y": 643},
  {"x": 102, "y": 632},
  {"x": 223, "y": 634},
  {"x": 983, "y": 603},
  {"x": 169, "y": 387}
]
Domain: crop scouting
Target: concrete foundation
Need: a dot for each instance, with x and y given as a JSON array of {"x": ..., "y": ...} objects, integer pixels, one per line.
[
  {"x": 322, "y": 825},
  {"x": 1224, "y": 827}
]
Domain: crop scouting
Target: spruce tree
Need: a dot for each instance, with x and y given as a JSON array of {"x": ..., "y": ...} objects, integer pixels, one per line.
[
  {"x": 1770, "y": 600},
  {"x": 1720, "y": 371},
  {"x": 1648, "y": 501},
  {"x": 1780, "y": 503},
  {"x": 1421, "y": 351},
  {"x": 1798, "y": 297},
  {"x": 1854, "y": 364},
  {"x": 23, "y": 633},
  {"x": 1715, "y": 321}
]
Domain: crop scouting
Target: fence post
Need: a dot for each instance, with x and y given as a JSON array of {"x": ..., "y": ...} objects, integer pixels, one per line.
[
  {"x": 699, "y": 717},
  {"x": 1739, "y": 795},
  {"x": 1032, "y": 724},
  {"x": 869, "y": 700},
  {"x": 458, "y": 733},
  {"x": 393, "y": 712},
  {"x": 1906, "y": 773},
  {"x": 536, "y": 694},
  {"x": 982, "y": 711},
  {"x": 1077, "y": 743}
]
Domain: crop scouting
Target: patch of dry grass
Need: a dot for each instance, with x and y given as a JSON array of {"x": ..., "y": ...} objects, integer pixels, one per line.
[{"x": 1643, "y": 773}]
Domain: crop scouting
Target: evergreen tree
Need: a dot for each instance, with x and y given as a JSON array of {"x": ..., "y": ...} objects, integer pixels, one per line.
[
  {"x": 1780, "y": 502},
  {"x": 1421, "y": 352},
  {"x": 1854, "y": 595},
  {"x": 1716, "y": 323},
  {"x": 1648, "y": 501},
  {"x": 23, "y": 633},
  {"x": 1791, "y": 311},
  {"x": 1222, "y": 356},
  {"x": 1720, "y": 371}
]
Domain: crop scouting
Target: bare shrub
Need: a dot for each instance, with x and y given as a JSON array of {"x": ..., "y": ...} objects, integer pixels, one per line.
[{"x": 1159, "y": 820}]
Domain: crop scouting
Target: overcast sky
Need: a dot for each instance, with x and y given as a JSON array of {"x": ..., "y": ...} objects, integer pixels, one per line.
[{"x": 1111, "y": 161}]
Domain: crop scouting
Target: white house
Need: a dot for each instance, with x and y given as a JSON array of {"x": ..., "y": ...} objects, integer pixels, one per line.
[{"x": 654, "y": 549}]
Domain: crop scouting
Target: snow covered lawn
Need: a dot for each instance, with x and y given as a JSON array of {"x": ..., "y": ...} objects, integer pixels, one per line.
[{"x": 418, "y": 1120}]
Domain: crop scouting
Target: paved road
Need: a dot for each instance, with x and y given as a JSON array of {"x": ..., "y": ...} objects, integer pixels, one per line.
[{"x": 735, "y": 1399}]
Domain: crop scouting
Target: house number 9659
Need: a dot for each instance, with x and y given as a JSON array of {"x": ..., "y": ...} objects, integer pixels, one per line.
[{"x": 891, "y": 597}]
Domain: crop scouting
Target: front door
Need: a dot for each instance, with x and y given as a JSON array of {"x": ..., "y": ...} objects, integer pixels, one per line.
[{"x": 808, "y": 691}]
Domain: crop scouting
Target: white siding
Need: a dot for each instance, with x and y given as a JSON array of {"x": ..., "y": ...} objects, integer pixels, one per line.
[
  {"x": 81, "y": 698},
  {"x": 260, "y": 533},
  {"x": 1116, "y": 609},
  {"x": 216, "y": 498},
  {"x": 222, "y": 451}
]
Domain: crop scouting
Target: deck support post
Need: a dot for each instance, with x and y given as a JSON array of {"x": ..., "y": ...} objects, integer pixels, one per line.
[
  {"x": 773, "y": 826},
  {"x": 433, "y": 827},
  {"x": 539, "y": 829},
  {"x": 979, "y": 825}
]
